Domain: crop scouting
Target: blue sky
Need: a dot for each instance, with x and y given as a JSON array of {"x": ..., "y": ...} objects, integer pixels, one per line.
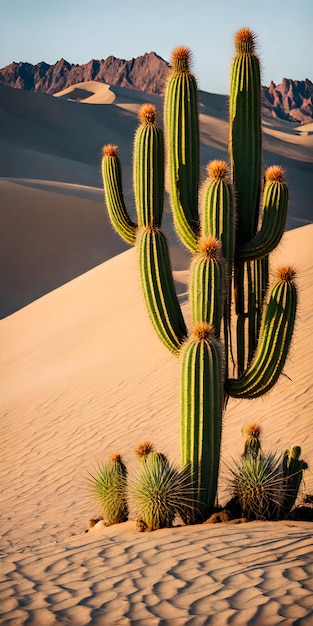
[{"x": 46, "y": 30}]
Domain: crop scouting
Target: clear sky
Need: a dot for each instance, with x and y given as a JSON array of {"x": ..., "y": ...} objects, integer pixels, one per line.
[{"x": 80, "y": 30}]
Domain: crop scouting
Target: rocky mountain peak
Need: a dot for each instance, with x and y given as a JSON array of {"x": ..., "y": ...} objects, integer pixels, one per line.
[{"x": 291, "y": 100}]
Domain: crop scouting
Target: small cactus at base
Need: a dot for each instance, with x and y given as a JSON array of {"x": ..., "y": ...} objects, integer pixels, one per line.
[
  {"x": 108, "y": 484},
  {"x": 257, "y": 482},
  {"x": 252, "y": 443},
  {"x": 160, "y": 491},
  {"x": 293, "y": 468}
]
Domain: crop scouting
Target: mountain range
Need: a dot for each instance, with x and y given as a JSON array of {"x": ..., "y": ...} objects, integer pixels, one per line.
[{"x": 290, "y": 100}]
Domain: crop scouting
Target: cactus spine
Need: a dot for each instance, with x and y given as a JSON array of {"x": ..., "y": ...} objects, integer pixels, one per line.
[
  {"x": 252, "y": 443},
  {"x": 230, "y": 254}
]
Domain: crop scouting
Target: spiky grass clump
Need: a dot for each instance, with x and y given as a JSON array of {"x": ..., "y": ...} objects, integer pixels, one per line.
[
  {"x": 160, "y": 491},
  {"x": 108, "y": 484},
  {"x": 258, "y": 484}
]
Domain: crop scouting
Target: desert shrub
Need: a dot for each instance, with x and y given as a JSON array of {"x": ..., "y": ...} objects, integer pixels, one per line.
[
  {"x": 160, "y": 492},
  {"x": 266, "y": 486},
  {"x": 258, "y": 484},
  {"x": 108, "y": 484}
]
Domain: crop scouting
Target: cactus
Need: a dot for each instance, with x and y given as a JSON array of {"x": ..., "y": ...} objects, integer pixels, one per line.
[
  {"x": 109, "y": 486},
  {"x": 293, "y": 468},
  {"x": 252, "y": 443},
  {"x": 230, "y": 231},
  {"x": 160, "y": 491},
  {"x": 257, "y": 483}
]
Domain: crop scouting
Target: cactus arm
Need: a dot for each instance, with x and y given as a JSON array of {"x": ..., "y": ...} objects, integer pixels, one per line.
[
  {"x": 148, "y": 168},
  {"x": 273, "y": 344},
  {"x": 245, "y": 134},
  {"x": 182, "y": 131},
  {"x": 154, "y": 261},
  {"x": 275, "y": 204},
  {"x": 112, "y": 183},
  {"x": 158, "y": 288},
  {"x": 201, "y": 415}
]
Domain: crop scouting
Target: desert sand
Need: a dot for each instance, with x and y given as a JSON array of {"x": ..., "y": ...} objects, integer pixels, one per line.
[{"x": 83, "y": 375}]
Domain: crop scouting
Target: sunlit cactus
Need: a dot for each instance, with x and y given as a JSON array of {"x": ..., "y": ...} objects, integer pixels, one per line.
[
  {"x": 230, "y": 223},
  {"x": 108, "y": 483},
  {"x": 160, "y": 491}
]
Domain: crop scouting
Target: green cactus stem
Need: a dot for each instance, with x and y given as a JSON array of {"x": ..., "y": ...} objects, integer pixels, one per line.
[
  {"x": 148, "y": 168},
  {"x": 245, "y": 133},
  {"x": 207, "y": 283},
  {"x": 201, "y": 414},
  {"x": 217, "y": 209},
  {"x": 182, "y": 135},
  {"x": 274, "y": 213}
]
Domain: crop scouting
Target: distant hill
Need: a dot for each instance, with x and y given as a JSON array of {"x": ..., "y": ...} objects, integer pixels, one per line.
[
  {"x": 145, "y": 73},
  {"x": 290, "y": 100}
]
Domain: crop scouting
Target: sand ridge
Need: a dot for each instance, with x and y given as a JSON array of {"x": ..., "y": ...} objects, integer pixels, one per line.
[{"x": 246, "y": 574}]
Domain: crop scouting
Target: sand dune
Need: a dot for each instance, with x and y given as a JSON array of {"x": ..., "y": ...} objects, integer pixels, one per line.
[
  {"x": 83, "y": 375},
  {"x": 89, "y": 92},
  {"x": 46, "y": 138}
]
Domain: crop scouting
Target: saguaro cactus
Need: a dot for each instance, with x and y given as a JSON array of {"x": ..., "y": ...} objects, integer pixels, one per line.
[{"x": 230, "y": 247}]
